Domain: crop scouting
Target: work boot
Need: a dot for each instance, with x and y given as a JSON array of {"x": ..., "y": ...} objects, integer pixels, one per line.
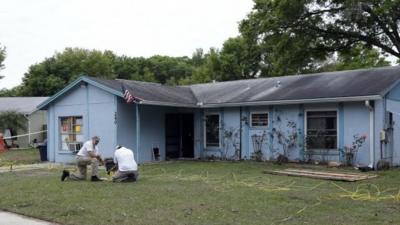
[
  {"x": 95, "y": 178},
  {"x": 64, "y": 175}
]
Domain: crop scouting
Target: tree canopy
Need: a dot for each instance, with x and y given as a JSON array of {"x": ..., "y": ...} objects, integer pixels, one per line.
[
  {"x": 355, "y": 58},
  {"x": 49, "y": 76},
  {"x": 52, "y": 74},
  {"x": 298, "y": 36}
]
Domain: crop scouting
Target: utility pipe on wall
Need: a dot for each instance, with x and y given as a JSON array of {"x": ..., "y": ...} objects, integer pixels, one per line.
[{"x": 370, "y": 107}]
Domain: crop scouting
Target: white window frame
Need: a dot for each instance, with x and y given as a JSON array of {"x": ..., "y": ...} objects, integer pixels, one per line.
[
  {"x": 258, "y": 112},
  {"x": 337, "y": 124},
  {"x": 205, "y": 129},
  {"x": 60, "y": 149}
]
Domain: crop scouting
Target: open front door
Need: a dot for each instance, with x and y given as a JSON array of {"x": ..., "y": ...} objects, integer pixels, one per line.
[
  {"x": 187, "y": 136},
  {"x": 179, "y": 136}
]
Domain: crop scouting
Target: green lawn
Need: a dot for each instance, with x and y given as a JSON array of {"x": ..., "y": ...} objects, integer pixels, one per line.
[
  {"x": 19, "y": 156},
  {"x": 203, "y": 193}
]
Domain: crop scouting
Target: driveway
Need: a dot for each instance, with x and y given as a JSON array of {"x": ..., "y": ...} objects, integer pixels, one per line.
[{"x": 15, "y": 219}]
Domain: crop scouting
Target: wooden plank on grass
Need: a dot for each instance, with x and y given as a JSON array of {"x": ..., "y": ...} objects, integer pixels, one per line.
[
  {"x": 328, "y": 173},
  {"x": 321, "y": 175}
]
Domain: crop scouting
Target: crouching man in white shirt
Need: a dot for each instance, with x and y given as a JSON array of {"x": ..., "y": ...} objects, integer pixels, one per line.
[
  {"x": 87, "y": 155},
  {"x": 126, "y": 164}
]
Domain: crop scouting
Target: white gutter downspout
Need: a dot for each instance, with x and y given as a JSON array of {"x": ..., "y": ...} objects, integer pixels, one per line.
[{"x": 371, "y": 133}]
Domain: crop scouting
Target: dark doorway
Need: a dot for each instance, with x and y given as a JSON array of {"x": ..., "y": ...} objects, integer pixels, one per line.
[{"x": 179, "y": 136}]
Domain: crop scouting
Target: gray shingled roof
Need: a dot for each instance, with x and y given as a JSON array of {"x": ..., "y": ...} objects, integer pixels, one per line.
[
  {"x": 153, "y": 92},
  {"x": 25, "y": 105},
  {"x": 352, "y": 83},
  {"x": 323, "y": 87}
]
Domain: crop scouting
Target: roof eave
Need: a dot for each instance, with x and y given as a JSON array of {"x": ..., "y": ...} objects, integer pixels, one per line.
[
  {"x": 171, "y": 104},
  {"x": 44, "y": 104},
  {"x": 387, "y": 90},
  {"x": 297, "y": 101}
]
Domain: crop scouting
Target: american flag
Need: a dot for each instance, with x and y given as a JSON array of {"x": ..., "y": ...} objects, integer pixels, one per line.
[{"x": 128, "y": 96}]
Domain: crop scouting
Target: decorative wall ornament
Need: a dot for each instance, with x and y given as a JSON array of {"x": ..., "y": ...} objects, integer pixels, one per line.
[
  {"x": 285, "y": 133},
  {"x": 231, "y": 137}
]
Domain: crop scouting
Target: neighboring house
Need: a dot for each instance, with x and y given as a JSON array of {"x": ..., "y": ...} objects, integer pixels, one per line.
[
  {"x": 36, "y": 120},
  {"x": 302, "y": 116}
]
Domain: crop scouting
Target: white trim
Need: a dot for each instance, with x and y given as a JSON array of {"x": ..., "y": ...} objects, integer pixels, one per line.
[
  {"x": 205, "y": 129},
  {"x": 315, "y": 109},
  {"x": 172, "y": 104},
  {"x": 259, "y": 112},
  {"x": 297, "y": 101},
  {"x": 371, "y": 137}
]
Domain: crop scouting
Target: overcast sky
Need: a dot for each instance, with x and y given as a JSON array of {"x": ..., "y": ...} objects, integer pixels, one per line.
[{"x": 34, "y": 30}]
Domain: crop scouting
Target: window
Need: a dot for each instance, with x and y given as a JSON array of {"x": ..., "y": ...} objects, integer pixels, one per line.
[
  {"x": 212, "y": 130},
  {"x": 259, "y": 119},
  {"x": 71, "y": 133},
  {"x": 322, "y": 130}
]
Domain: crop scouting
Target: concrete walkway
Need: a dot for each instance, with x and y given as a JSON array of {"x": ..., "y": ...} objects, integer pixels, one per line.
[
  {"x": 15, "y": 219},
  {"x": 15, "y": 168}
]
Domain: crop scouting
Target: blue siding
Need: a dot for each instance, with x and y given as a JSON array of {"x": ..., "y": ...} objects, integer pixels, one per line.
[
  {"x": 288, "y": 120},
  {"x": 379, "y": 115},
  {"x": 356, "y": 122},
  {"x": 126, "y": 124},
  {"x": 102, "y": 122},
  {"x": 393, "y": 105},
  {"x": 394, "y": 94},
  {"x": 396, "y": 139},
  {"x": 285, "y": 121},
  {"x": 152, "y": 131},
  {"x": 97, "y": 108},
  {"x": 231, "y": 132},
  {"x": 259, "y": 133}
]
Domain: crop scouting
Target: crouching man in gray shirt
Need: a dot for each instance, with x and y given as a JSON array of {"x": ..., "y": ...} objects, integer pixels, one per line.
[{"x": 126, "y": 164}]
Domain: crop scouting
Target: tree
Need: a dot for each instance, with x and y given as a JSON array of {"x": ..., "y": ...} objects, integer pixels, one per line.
[
  {"x": 54, "y": 73},
  {"x": 210, "y": 70},
  {"x": 51, "y": 75},
  {"x": 128, "y": 67},
  {"x": 169, "y": 69},
  {"x": 239, "y": 60},
  {"x": 12, "y": 120},
  {"x": 296, "y": 36},
  {"x": 198, "y": 57},
  {"x": 356, "y": 58},
  {"x": 13, "y": 92},
  {"x": 2, "y": 57}
]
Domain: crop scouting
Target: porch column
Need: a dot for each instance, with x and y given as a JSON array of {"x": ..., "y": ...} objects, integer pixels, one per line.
[
  {"x": 302, "y": 134},
  {"x": 137, "y": 132},
  {"x": 340, "y": 132}
]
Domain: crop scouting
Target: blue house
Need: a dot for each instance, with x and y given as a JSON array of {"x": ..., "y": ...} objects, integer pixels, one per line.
[{"x": 339, "y": 116}]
